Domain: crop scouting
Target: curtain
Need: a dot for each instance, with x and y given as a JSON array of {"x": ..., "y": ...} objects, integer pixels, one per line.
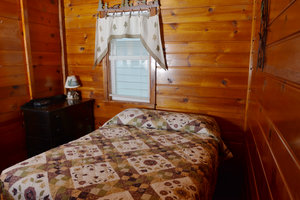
[{"x": 140, "y": 25}]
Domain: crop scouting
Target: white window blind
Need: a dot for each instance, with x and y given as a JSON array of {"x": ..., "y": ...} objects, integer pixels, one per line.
[{"x": 129, "y": 67}]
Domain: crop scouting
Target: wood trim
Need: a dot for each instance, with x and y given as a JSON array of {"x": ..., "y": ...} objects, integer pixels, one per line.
[
  {"x": 27, "y": 48},
  {"x": 107, "y": 86},
  {"x": 153, "y": 82},
  {"x": 106, "y": 78},
  {"x": 252, "y": 50},
  {"x": 62, "y": 42}
]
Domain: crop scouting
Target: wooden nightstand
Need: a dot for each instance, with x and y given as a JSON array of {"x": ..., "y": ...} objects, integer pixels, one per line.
[{"x": 56, "y": 123}]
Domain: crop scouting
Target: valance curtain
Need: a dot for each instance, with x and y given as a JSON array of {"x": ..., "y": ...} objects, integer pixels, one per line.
[{"x": 121, "y": 25}]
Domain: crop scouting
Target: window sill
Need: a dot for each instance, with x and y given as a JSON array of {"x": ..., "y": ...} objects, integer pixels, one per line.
[{"x": 128, "y": 104}]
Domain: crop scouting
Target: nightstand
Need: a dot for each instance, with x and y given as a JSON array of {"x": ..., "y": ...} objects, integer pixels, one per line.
[{"x": 57, "y": 122}]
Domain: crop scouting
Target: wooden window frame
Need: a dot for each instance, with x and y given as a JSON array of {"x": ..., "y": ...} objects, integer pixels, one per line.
[{"x": 107, "y": 84}]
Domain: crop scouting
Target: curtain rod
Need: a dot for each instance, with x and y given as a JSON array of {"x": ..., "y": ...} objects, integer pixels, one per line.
[{"x": 128, "y": 7}]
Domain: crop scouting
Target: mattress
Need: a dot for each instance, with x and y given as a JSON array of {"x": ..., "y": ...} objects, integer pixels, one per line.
[{"x": 138, "y": 154}]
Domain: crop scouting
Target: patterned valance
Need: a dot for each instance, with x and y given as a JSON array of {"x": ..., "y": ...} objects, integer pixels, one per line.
[{"x": 131, "y": 25}]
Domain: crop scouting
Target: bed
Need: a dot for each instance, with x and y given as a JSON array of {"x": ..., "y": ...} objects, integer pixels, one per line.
[{"x": 138, "y": 154}]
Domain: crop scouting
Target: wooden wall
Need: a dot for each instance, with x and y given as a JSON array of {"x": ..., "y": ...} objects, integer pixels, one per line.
[
  {"x": 273, "y": 117},
  {"x": 207, "y": 45},
  {"x": 41, "y": 22},
  {"x": 45, "y": 47},
  {"x": 13, "y": 84},
  {"x": 207, "y": 49}
]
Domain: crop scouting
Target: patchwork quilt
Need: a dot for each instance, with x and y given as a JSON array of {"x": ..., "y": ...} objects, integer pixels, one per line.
[{"x": 138, "y": 154}]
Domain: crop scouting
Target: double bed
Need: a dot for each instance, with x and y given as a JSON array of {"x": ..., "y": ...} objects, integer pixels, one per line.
[{"x": 138, "y": 154}]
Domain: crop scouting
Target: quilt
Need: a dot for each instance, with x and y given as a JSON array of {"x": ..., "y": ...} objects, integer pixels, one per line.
[{"x": 138, "y": 154}]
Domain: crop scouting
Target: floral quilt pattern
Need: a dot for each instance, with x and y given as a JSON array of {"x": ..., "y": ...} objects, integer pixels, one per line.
[
  {"x": 170, "y": 139},
  {"x": 138, "y": 154},
  {"x": 92, "y": 174},
  {"x": 180, "y": 188},
  {"x": 83, "y": 151},
  {"x": 149, "y": 163},
  {"x": 130, "y": 145}
]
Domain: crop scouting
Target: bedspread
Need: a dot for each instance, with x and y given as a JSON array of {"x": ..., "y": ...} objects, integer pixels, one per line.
[{"x": 138, "y": 154}]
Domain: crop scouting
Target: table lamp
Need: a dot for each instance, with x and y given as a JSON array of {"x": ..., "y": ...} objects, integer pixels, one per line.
[{"x": 71, "y": 84}]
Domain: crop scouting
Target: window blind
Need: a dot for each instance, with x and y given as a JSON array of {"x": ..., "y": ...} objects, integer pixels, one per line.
[{"x": 130, "y": 75}]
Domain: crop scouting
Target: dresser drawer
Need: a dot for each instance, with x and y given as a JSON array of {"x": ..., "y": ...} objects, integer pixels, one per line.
[
  {"x": 60, "y": 139},
  {"x": 37, "y": 130},
  {"x": 57, "y": 124},
  {"x": 31, "y": 117},
  {"x": 37, "y": 145}
]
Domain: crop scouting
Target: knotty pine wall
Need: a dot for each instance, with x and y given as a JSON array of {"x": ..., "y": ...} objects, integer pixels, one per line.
[
  {"x": 273, "y": 116},
  {"x": 13, "y": 84},
  {"x": 44, "y": 50},
  {"x": 207, "y": 47},
  {"x": 45, "y": 47}
]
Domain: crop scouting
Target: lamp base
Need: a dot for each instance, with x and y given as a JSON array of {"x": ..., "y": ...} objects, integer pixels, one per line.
[{"x": 72, "y": 94}]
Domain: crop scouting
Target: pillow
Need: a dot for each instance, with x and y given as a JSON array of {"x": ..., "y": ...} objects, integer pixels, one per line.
[{"x": 163, "y": 120}]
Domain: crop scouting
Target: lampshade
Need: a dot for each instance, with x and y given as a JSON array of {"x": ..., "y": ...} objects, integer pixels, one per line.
[{"x": 72, "y": 82}]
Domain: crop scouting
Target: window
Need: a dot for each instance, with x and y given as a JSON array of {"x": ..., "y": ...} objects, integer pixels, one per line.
[{"x": 129, "y": 74}]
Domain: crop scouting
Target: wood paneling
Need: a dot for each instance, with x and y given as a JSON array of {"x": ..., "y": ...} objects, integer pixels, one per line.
[
  {"x": 206, "y": 14},
  {"x": 285, "y": 24},
  {"x": 207, "y": 50},
  {"x": 207, "y": 47},
  {"x": 40, "y": 23},
  {"x": 10, "y": 9},
  {"x": 10, "y": 29},
  {"x": 277, "y": 8},
  {"x": 260, "y": 176},
  {"x": 284, "y": 58},
  {"x": 251, "y": 182},
  {"x": 207, "y": 44},
  {"x": 212, "y": 31},
  {"x": 13, "y": 84},
  {"x": 43, "y": 23},
  {"x": 273, "y": 115}
]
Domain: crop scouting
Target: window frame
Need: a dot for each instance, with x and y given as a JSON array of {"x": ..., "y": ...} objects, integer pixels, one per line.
[{"x": 107, "y": 86}]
